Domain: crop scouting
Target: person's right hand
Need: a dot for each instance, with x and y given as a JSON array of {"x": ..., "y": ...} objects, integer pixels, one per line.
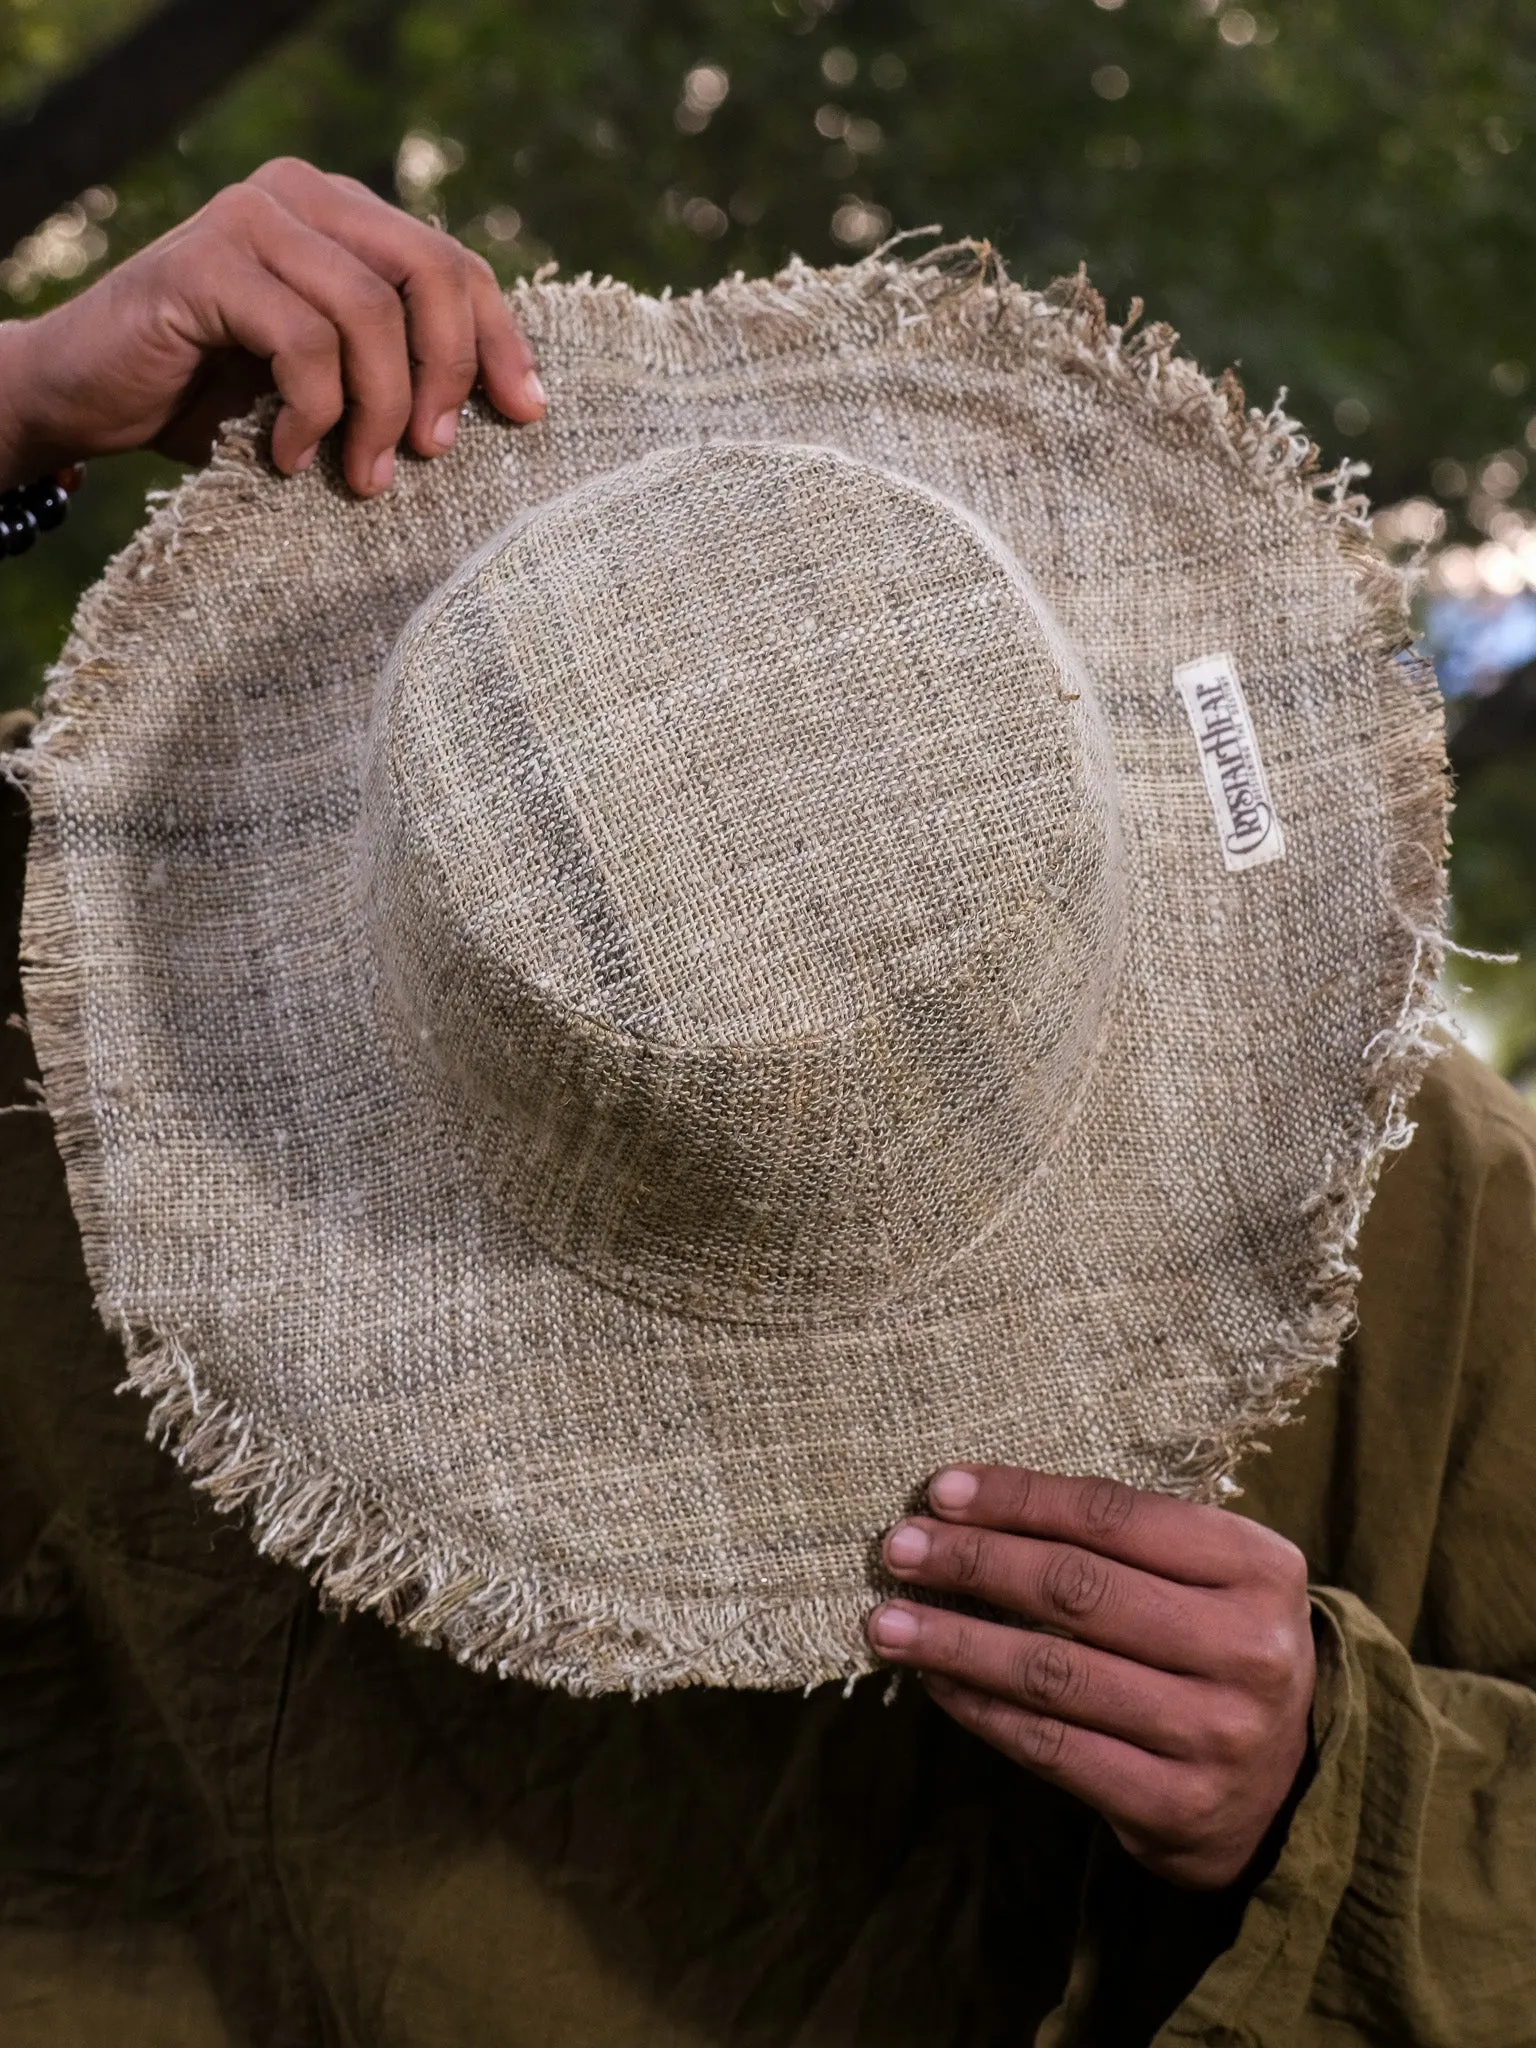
[
  {"x": 1170, "y": 1686},
  {"x": 293, "y": 279}
]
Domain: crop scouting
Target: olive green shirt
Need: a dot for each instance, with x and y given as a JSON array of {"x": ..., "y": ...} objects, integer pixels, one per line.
[{"x": 226, "y": 1817}]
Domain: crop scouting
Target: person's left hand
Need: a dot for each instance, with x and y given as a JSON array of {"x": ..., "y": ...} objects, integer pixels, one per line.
[{"x": 1177, "y": 1698}]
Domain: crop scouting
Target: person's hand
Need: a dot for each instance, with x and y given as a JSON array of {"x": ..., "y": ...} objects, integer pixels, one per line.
[
  {"x": 295, "y": 279},
  {"x": 1177, "y": 1700}
]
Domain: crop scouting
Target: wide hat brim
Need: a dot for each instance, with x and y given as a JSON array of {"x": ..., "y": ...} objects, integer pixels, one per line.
[{"x": 343, "y": 1335}]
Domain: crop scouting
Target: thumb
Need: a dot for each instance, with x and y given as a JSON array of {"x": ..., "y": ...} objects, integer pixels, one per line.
[{"x": 227, "y": 384}]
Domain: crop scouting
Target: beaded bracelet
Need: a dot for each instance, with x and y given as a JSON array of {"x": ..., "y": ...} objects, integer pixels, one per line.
[{"x": 37, "y": 507}]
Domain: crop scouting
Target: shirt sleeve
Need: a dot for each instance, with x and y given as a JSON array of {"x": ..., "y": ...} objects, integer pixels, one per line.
[
  {"x": 1398, "y": 1902},
  {"x": 1402, "y": 1907}
]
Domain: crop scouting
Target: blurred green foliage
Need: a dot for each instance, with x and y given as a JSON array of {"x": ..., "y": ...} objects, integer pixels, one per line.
[
  {"x": 41, "y": 38},
  {"x": 1341, "y": 198}
]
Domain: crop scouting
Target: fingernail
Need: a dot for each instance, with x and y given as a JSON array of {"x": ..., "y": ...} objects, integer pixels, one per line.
[
  {"x": 953, "y": 1488},
  {"x": 445, "y": 430},
  {"x": 383, "y": 471},
  {"x": 302, "y": 462},
  {"x": 892, "y": 1627},
  {"x": 907, "y": 1545},
  {"x": 533, "y": 390}
]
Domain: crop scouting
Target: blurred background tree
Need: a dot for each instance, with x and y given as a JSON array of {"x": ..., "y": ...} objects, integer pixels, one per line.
[{"x": 1341, "y": 199}]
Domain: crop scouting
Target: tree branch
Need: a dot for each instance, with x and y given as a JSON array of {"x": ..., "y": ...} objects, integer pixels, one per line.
[{"x": 129, "y": 100}]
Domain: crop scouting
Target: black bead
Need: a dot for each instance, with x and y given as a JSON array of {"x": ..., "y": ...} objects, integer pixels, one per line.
[
  {"x": 28, "y": 510},
  {"x": 22, "y": 525},
  {"x": 47, "y": 504}
]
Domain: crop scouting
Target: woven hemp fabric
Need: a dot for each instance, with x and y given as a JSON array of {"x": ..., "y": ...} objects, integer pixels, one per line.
[{"x": 609, "y": 1011}]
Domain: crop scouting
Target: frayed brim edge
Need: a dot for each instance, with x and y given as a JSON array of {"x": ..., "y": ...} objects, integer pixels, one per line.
[{"x": 362, "y": 1555}]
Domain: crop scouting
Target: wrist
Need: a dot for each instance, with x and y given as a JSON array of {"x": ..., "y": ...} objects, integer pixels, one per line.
[
  {"x": 18, "y": 435},
  {"x": 15, "y": 396},
  {"x": 30, "y": 445}
]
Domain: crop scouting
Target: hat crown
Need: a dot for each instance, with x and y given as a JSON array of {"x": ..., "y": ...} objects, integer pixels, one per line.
[{"x": 740, "y": 838}]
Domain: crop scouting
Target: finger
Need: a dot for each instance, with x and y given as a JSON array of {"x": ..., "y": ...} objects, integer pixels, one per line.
[
  {"x": 1174, "y": 1716},
  {"x": 429, "y": 273},
  {"x": 370, "y": 323},
  {"x": 1114, "y": 1606},
  {"x": 228, "y": 385},
  {"x": 433, "y": 287},
  {"x": 458, "y": 321},
  {"x": 363, "y": 314},
  {"x": 248, "y": 308},
  {"x": 506, "y": 361},
  {"x": 1178, "y": 1539},
  {"x": 1132, "y": 1788},
  {"x": 1180, "y": 1820}
]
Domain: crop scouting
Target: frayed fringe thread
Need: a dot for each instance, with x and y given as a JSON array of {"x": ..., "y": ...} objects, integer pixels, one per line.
[
  {"x": 964, "y": 287},
  {"x": 1277, "y": 1381},
  {"x": 361, "y": 1556},
  {"x": 956, "y": 297}
]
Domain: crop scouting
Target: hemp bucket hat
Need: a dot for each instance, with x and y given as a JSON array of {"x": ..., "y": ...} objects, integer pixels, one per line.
[{"x": 865, "y": 893}]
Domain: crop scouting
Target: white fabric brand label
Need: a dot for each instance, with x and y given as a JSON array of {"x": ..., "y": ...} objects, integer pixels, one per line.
[{"x": 1246, "y": 823}]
